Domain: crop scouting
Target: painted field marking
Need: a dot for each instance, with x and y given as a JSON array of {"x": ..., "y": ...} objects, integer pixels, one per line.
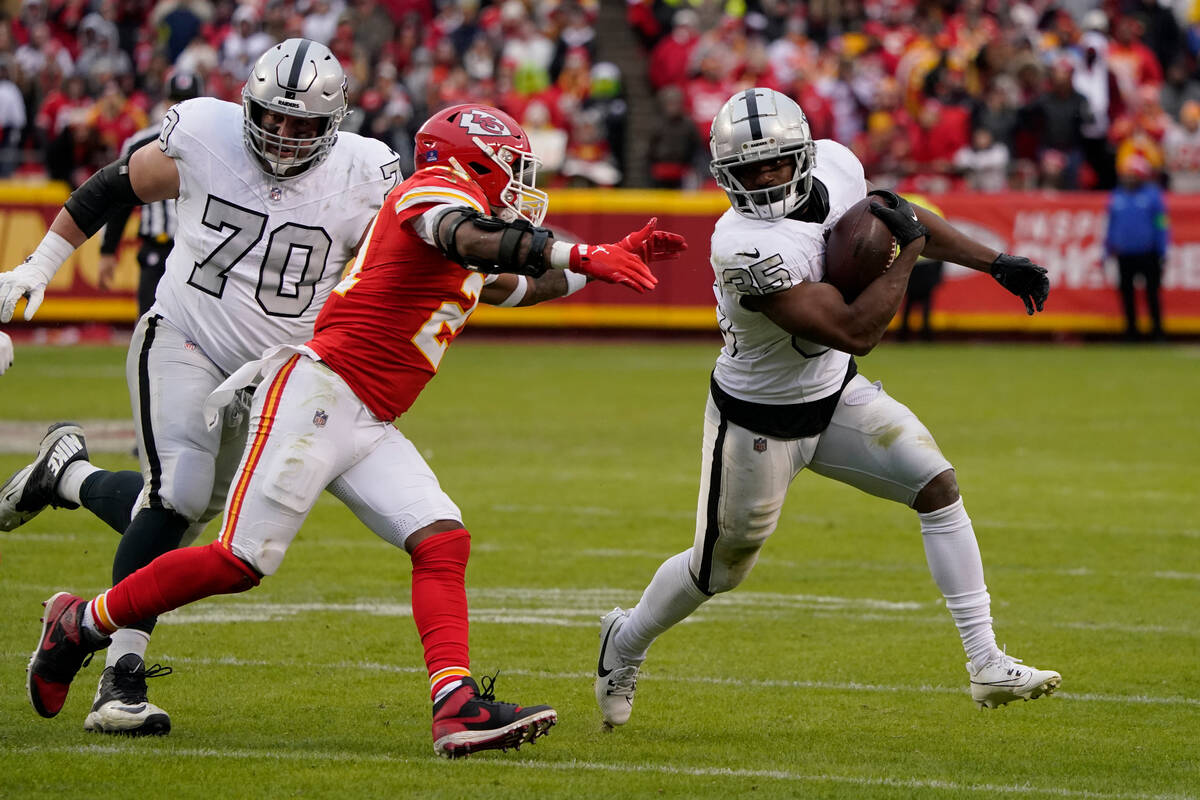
[
  {"x": 666, "y": 678},
  {"x": 784, "y": 776}
]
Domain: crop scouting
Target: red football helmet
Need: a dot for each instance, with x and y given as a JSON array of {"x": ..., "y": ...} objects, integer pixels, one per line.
[{"x": 490, "y": 147}]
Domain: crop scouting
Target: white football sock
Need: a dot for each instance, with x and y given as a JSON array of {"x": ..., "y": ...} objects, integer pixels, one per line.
[
  {"x": 957, "y": 569},
  {"x": 125, "y": 641},
  {"x": 445, "y": 690},
  {"x": 671, "y": 596},
  {"x": 72, "y": 478}
]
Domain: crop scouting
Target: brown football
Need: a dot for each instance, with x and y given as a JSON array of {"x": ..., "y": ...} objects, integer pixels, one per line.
[{"x": 860, "y": 249}]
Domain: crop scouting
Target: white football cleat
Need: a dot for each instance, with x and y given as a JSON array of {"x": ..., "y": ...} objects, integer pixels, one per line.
[
  {"x": 1005, "y": 679},
  {"x": 616, "y": 680}
]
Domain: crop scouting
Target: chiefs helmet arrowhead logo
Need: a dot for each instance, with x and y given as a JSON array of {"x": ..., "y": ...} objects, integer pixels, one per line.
[{"x": 481, "y": 123}]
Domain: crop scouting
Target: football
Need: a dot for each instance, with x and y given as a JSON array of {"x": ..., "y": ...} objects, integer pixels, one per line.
[{"x": 860, "y": 249}]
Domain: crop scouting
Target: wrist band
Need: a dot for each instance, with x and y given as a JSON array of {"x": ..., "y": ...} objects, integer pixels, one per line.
[
  {"x": 575, "y": 282},
  {"x": 51, "y": 253},
  {"x": 560, "y": 255}
]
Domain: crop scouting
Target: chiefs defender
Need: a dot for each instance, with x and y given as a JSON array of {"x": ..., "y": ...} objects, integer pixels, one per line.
[{"x": 463, "y": 228}]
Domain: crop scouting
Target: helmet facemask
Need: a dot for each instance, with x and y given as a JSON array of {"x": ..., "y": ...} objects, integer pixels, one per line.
[
  {"x": 306, "y": 152},
  {"x": 772, "y": 202},
  {"x": 520, "y": 196}
]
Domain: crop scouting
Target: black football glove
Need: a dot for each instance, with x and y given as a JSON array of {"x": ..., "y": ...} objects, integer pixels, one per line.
[
  {"x": 1023, "y": 278},
  {"x": 899, "y": 216}
]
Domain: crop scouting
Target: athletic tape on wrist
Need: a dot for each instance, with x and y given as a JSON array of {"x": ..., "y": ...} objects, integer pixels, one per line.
[
  {"x": 575, "y": 282},
  {"x": 560, "y": 255},
  {"x": 51, "y": 253}
]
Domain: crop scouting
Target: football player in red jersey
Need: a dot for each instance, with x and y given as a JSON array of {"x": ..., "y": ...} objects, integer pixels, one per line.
[{"x": 464, "y": 228}]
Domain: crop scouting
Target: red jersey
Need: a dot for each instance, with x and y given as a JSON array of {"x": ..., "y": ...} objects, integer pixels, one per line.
[{"x": 385, "y": 327}]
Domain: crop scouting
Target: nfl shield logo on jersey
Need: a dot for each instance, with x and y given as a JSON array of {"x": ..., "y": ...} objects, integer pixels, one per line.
[
  {"x": 320, "y": 418},
  {"x": 760, "y": 445},
  {"x": 276, "y": 194}
]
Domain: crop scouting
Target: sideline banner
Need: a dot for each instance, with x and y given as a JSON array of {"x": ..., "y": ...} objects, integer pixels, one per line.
[{"x": 1064, "y": 232}]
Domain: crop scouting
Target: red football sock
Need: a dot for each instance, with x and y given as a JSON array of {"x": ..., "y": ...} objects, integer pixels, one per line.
[
  {"x": 172, "y": 580},
  {"x": 439, "y": 604}
]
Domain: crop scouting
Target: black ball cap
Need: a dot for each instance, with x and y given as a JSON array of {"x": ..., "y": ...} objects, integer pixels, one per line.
[{"x": 184, "y": 86}]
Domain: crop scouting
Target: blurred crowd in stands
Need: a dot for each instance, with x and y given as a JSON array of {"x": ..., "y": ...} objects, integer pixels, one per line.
[{"x": 932, "y": 95}]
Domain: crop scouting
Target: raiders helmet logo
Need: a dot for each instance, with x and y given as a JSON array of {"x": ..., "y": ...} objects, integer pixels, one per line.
[{"x": 481, "y": 123}]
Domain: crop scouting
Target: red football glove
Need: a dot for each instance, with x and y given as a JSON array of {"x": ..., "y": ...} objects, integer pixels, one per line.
[
  {"x": 653, "y": 245},
  {"x": 612, "y": 264}
]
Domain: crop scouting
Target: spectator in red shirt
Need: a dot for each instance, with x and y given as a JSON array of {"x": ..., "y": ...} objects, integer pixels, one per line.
[
  {"x": 1131, "y": 61},
  {"x": 51, "y": 120},
  {"x": 707, "y": 92},
  {"x": 942, "y": 130},
  {"x": 670, "y": 57},
  {"x": 114, "y": 118},
  {"x": 756, "y": 69},
  {"x": 816, "y": 105}
]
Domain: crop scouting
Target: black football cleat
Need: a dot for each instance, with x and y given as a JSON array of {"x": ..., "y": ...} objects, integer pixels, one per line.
[{"x": 121, "y": 706}]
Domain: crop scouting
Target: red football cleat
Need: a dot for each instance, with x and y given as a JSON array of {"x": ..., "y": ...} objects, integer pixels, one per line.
[
  {"x": 466, "y": 721},
  {"x": 62, "y": 651}
]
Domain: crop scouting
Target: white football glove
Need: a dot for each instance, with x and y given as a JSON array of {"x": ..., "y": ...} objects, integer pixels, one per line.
[
  {"x": 29, "y": 280},
  {"x": 24, "y": 281},
  {"x": 6, "y": 352}
]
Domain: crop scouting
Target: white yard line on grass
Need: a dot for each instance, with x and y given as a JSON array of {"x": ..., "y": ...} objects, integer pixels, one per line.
[
  {"x": 665, "y": 679},
  {"x": 103, "y": 435},
  {"x": 1021, "y": 789}
]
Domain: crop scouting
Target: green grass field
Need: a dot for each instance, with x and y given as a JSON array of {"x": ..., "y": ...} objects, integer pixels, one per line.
[{"x": 832, "y": 672}]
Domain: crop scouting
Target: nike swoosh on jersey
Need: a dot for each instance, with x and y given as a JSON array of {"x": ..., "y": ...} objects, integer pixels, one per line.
[{"x": 749, "y": 254}]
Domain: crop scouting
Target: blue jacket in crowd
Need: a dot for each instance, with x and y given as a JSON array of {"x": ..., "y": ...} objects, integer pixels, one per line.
[{"x": 1137, "y": 221}]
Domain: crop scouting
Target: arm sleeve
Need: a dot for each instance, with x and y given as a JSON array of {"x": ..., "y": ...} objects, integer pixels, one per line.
[{"x": 114, "y": 229}]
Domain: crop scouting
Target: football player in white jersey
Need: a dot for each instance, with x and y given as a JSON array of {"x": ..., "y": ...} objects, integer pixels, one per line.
[
  {"x": 786, "y": 395},
  {"x": 272, "y": 203}
]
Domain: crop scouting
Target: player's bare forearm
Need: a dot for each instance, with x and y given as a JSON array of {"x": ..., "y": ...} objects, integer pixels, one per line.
[
  {"x": 947, "y": 243},
  {"x": 64, "y": 225},
  {"x": 817, "y": 312},
  {"x": 874, "y": 308},
  {"x": 550, "y": 286}
]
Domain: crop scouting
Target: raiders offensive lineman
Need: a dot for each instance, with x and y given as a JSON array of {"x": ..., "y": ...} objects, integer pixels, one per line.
[
  {"x": 786, "y": 395},
  {"x": 462, "y": 230},
  {"x": 272, "y": 203}
]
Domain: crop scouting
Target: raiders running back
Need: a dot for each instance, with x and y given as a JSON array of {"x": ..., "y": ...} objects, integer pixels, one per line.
[{"x": 761, "y": 362}]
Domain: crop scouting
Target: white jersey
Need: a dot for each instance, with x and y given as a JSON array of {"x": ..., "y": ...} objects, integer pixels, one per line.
[
  {"x": 255, "y": 258},
  {"x": 761, "y": 362}
]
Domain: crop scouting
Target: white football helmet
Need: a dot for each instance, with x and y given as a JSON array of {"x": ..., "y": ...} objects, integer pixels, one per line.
[
  {"x": 762, "y": 125},
  {"x": 299, "y": 78}
]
